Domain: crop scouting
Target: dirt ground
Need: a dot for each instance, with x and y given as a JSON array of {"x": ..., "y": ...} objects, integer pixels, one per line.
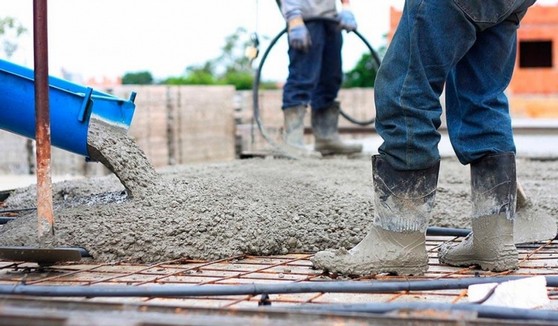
[{"x": 257, "y": 206}]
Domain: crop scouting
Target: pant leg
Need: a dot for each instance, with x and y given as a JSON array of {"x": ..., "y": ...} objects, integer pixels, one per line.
[
  {"x": 331, "y": 71},
  {"x": 477, "y": 108},
  {"x": 432, "y": 36},
  {"x": 304, "y": 69}
]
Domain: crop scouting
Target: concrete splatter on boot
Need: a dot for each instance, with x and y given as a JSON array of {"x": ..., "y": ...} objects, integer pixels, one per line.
[
  {"x": 403, "y": 203},
  {"x": 293, "y": 134},
  {"x": 294, "y": 126},
  {"x": 325, "y": 128},
  {"x": 491, "y": 244}
]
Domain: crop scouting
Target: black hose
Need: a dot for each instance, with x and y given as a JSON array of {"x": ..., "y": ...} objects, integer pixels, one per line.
[
  {"x": 4, "y": 220},
  {"x": 257, "y": 80},
  {"x": 174, "y": 291},
  {"x": 254, "y": 288},
  {"x": 450, "y": 232},
  {"x": 483, "y": 311},
  {"x": 17, "y": 210}
]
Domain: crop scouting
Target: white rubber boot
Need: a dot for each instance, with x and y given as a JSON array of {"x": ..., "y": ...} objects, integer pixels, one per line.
[
  {"x": 294, "y": 126},
  {"x": 381, "y": 251},
  {"x": 293, "y": 134},
  {"x": 325, "y": 128},
  {"x": 403, "y": 202},
  {"x": 491, "y": 243}
]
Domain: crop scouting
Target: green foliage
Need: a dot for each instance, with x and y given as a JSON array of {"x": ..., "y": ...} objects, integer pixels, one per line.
[
  {"x": 137, "y": 78},
  {"x": 365, "y": 70},
  {"x": 10, "y": 31},
  {"x": 363, "y": 74},
  {"x": 195, "y": 75},
  {"x": 241, "y": 80}
]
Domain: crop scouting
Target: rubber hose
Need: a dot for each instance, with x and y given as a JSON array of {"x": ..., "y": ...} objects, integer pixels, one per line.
[
  {"x": 257, "y": 81},
  {"x": 255, "y": 288}
]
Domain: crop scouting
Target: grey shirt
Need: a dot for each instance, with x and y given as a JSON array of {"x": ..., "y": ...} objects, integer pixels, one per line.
[{"x": 308, "y": 8}]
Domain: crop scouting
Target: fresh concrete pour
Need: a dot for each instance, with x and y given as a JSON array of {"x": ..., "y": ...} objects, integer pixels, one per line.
[{"x": 212, "y": 211}]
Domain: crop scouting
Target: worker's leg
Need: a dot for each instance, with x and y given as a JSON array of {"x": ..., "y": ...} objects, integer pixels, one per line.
[
  {"x": 304, "y": 72},
  {"x": 432, "y": 36},
  {"x": 403, "y": 201},
  {"x": 325, "y": 110},
  {"x": 330, "y": 76},
  {"x": 304, "y": 69},
  {"x": 477, "y": 108},
  {"x": 480, "y": 129}
]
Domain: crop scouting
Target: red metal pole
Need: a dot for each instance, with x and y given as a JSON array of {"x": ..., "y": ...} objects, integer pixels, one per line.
[{"x": 42, "y": 118}]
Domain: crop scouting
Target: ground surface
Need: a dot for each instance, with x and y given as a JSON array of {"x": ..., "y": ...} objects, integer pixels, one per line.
[{"x": 258, "y": 207}]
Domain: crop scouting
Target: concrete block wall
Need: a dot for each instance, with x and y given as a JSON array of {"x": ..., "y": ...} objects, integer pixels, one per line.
[
  {"x": 183, "y": 124},
  {"x": 13, "y": 154}
]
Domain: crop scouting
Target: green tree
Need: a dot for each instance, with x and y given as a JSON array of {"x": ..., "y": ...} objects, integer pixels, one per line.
[
  {"x": 364, "y": 72},
  {"x": 137, "y": 78},
  {"x": 10, "y": 31},
  {"x": 237, "y": 67},
  {"x": 195, "y": 75}
]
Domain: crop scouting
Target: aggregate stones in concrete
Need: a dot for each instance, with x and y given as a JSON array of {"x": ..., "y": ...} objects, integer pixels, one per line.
[{"x": 257, "y": 206}]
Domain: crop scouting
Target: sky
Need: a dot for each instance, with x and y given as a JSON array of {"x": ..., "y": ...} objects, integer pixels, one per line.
[{"x": 112, "y": 37}]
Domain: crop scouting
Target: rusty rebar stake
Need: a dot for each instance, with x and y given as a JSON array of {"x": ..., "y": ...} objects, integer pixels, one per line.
[{"x": 42, "y": 119}]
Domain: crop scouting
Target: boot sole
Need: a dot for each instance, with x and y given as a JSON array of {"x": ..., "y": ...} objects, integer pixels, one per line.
[
  {"x": 500, "y": 264},
  {"x": 415, "y": 270},
  {"x": 332, "y": 152}
]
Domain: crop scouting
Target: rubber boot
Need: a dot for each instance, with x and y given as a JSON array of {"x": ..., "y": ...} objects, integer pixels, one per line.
[
  {"x": 395, "y": 244},
  {"x": 490, "y": 245},
  {"x": 325, "y": 125},
  {"x": 294, "y": 126}
]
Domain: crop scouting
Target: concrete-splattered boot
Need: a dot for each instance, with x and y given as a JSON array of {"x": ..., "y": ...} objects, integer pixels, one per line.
[
  {"x": 293, "y": 133},
  {"x": 491, "y": 243},
  {"x": 403, "y": 202},
  {"x": 294, "y": 126},
  {"x": 324, "y": 126}
]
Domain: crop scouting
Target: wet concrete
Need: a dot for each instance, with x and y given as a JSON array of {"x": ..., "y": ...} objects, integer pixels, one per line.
[
  {"x": 118, "y": 152},
  {"x": 259, "y": 206}
]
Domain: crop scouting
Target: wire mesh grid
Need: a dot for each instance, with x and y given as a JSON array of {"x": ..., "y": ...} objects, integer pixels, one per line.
[{"x": 535, "y": 259}]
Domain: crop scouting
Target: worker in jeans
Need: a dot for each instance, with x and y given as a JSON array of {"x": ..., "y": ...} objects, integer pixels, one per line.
[
  {"x": 468, "y": 46},
  {"x": 315, "y": 73}
]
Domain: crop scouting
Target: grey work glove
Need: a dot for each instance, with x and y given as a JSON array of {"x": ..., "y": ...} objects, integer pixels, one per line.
[
  {"x": 299, "y": 36},
  {"x": 347, "y": 20}
]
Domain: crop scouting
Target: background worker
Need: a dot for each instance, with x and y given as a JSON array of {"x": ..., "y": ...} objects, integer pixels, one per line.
[
  {"x": 315, "y": 73},
  {"x": 470, "y": 47}
]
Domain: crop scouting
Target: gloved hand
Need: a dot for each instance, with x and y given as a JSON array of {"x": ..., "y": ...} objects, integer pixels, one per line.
[
  {"x": 299, "y": 37},
  {"x": 347, "y": 20}
]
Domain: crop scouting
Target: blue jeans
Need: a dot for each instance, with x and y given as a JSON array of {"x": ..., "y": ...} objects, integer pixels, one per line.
[
  {"x": 315, "y": 76},
  {"x": 470, "y": 47}
]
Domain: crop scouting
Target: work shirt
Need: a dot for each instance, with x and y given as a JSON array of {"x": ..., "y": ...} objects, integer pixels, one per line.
[{"x": 308, "y": 8}]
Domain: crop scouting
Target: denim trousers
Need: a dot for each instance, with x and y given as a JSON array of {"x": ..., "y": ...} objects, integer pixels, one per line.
[
  {"x": 468, "y": 46},
  {"x": 315, "y": 76}
]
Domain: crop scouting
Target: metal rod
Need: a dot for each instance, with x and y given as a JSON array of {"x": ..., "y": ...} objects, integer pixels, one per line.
[{"x": 42, "y": 118}]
